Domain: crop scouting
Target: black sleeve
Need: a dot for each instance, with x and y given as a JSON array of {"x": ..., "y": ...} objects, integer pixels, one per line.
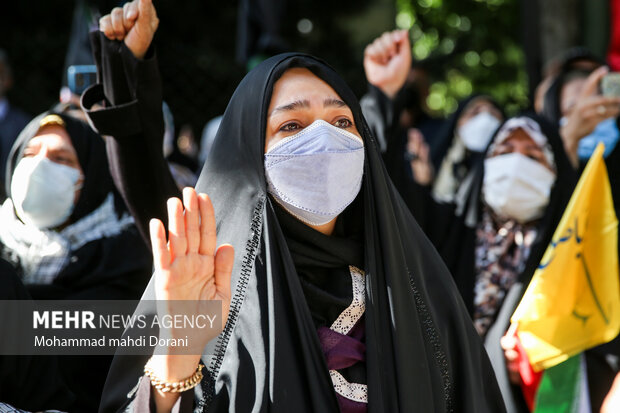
[
  {"x": 382, "y": 115},
  {"x": 132, "y": 122},
  {"x": 33, "y": 383}
]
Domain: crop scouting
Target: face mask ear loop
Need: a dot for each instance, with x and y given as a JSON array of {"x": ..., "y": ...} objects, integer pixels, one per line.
[{"x": 80, "y": 185}]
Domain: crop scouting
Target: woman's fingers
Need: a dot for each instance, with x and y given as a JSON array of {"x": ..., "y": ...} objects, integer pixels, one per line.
[
  {"x": 117, "y": 23},
  {"x": 161, "y": 255},
  {"x": 224, "y": 261},
  {"x": 176, "y": 228},
  {"x": 207, "y": 226},
  {"x": 105, "y": 25},
  {"x": 192, "y": 219},
  {"x": 590, "y": 87},
  {"x": 424, "y": 152},
  {"x": 414, "y": 140},
  {"x": 130, "y": 11}
]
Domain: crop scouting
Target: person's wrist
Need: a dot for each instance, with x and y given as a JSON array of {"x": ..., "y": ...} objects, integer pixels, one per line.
[
  {"x": 570, "y": 141},
  {"x": 389, "y": 90},
  {"x": 138, "y": 52},
  {"x": 173, "y": 368},
  {"x": 569, "y": 137}
]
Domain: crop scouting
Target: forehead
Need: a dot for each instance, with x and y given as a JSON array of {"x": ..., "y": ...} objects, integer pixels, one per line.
[
  {"x": 571, "y": 89},
  {"x": 52, "y": 135},
  {"x": 519, "y": 136},
  {"x": 478, "y": 103},
  {"x": 300, "y": 84}
]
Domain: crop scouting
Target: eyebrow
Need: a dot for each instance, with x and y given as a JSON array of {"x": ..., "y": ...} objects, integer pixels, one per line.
[
  {"x": 63, "y": 148},
  {"x": 305, "y": 104}
]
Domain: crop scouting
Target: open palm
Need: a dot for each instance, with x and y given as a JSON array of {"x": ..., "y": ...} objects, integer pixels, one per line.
[{"x": 188, "y": 266}]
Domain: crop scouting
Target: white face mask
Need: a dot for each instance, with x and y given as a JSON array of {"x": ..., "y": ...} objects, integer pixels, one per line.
[
  {"x": 516, "y": 186},
  {"x": 43, "y": 191},
  {"x": 316, "y": 173},
  {"x": 477, "y": 132}
]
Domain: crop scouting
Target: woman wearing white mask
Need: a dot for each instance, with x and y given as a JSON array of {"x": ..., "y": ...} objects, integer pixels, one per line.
[
  {"x": 495, "y": 233},
  {"x": 336, "y": 301},
  {"x": 464, "y": 138},
  {"x": 504, "y": 214},
  {"x": 67, "y": 232},
  {"x": 419, "y": 162}
]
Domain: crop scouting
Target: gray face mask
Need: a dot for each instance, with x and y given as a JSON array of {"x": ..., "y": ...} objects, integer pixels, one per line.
[{"x": 316, "y": 173}]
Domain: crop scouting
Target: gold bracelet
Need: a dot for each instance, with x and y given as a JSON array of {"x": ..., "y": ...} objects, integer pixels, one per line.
[{"x": 176, "y": 387}]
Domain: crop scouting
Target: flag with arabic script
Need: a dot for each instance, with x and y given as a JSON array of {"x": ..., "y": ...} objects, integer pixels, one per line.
[{"x": 573, "y": 300}]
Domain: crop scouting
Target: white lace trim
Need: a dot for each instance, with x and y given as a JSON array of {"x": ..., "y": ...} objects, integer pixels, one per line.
[
  {"x": 352, "y": 391},
  {"x": 347, "y": 319},
  {"x": 343, "y": 324}
]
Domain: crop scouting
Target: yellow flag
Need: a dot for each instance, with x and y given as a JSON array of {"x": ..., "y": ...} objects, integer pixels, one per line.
[{"x": 573, "y": 300}]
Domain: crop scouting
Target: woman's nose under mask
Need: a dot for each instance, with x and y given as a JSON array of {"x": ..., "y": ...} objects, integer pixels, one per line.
[
  {"x": 43, "y": 192},
  {"x": 316, "y": 173},
  {"x": 516, "y": 186}
]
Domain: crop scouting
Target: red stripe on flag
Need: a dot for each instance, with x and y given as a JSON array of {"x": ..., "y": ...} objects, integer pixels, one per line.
[{"x": 530, "y": 380}]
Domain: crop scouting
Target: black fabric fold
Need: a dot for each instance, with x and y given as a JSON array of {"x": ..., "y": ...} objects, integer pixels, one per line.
[{"x": 133, "y": 114}]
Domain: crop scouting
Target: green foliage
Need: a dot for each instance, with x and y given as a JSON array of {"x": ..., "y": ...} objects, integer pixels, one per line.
[{"x": 470, "y": 46}]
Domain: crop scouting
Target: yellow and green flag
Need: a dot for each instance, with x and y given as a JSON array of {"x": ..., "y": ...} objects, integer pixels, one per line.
[{"x": 573, "y": 300}]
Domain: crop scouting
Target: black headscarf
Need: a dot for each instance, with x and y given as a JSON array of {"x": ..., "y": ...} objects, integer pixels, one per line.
[
  {"x": 91, "y": 154},
  {"x": 552, "y": 111},
  {"x": 552, "y": 106},
  {"x": 442, "y": 142},
  {"x": 115, "y": 267},
  {"x": 107, "y": 267},
  {"x": 422, "y": 352},
  {"x": 455, "y": 238}
]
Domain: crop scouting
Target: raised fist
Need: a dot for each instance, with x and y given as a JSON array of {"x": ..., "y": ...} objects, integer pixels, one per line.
[{"x": 135, "y": 23}]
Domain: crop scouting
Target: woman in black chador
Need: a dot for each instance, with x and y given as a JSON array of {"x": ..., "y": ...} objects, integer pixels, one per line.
[{"x": 338, "y": 302}]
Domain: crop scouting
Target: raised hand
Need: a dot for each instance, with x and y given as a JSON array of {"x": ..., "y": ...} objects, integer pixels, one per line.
[
  {"x": 590, "y": 109},
  {"x": 135, "y": 23},
  {"x": 509, "y": 345},
  {"x": 188, "y": 267},
  {"x": 419, "y": 157},
  {"x": 387, "y": 61}
]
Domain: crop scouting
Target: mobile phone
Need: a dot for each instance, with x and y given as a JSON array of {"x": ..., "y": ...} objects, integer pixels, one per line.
[
  {"x": 80, "y": 77},
  {"x": 610, "y": 84}
]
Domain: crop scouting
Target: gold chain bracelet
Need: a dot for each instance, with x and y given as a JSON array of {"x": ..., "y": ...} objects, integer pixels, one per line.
[{"x": 176, "y": 387}]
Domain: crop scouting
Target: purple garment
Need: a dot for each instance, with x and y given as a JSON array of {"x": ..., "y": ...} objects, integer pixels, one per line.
[{"x": 342, "y": 351}]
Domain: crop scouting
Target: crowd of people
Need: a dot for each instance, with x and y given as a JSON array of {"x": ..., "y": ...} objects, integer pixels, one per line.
[{"x": 368, "y": 254}]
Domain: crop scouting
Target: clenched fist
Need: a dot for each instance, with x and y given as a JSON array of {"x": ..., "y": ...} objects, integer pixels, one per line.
[
  {"x": 135, "y": 23},
  {"x": 387, "y": 61}
]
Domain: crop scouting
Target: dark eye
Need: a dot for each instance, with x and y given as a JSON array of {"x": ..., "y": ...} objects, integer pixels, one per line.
[
  {"x": 290, "y": 127},
  {"x": 537, "y": 158},
  {"x": 343, "y": 123}
]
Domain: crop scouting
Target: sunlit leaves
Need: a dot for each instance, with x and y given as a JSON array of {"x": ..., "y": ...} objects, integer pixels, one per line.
[{"x": 475, "y": 47}]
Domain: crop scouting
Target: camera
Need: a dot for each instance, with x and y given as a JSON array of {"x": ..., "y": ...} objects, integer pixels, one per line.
[
  {"x": 610, "y": 84},
  {"x": 80, "y": 77}
]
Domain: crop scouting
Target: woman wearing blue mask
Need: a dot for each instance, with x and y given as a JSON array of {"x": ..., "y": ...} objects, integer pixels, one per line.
[
  {"x": 585, "y": 118},
  {"x": 335, "y": 300}
]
